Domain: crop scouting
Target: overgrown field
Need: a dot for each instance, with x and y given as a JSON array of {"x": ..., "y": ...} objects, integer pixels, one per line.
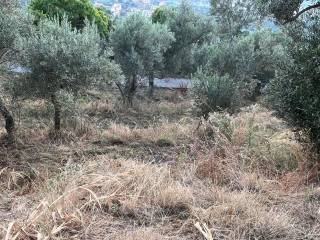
[{"x": 156, "y": 172}]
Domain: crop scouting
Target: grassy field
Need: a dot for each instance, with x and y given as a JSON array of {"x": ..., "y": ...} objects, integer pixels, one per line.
[{"x": 156, "y": 172}]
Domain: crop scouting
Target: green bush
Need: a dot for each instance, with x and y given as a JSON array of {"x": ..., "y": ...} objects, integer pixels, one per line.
[
  {"x": 213, "y": 93},
  {"x": 250, "y": 59}
]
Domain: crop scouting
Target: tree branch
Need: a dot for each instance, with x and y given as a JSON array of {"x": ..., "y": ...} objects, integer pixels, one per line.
[
  {"x": 3, "y": 53},
  {"x": 316, "y": 5}
]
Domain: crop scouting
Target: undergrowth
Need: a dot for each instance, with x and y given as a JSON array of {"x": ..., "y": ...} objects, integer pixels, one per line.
[{"x": 156, "y": 172}]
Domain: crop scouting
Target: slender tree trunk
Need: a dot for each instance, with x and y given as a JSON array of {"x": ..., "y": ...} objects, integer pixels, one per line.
[
  {"x": 151, "y": 85},
  {"x": 57, "y": 112},
  {"x": 10, "y": 124}
]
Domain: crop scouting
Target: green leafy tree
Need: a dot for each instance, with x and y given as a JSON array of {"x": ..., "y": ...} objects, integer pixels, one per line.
[
  {"x": 8, "y": 34},
  {"x": 250, "y": 60},
  {"x": 58, "y": 57},
  {"x": 295, "y": 91},
  {"x": 77, "y": 12},
  {"x": 138, "y": 46},
  {"x": 287, "y": 11},
  {"x": 234, "y": 16},
  {"x": 190, "y": 29}
]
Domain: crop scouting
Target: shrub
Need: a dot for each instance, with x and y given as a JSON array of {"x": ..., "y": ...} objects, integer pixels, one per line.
[
  {"x": 250, "y": 60},
  {"x": 213, "y": 92}
]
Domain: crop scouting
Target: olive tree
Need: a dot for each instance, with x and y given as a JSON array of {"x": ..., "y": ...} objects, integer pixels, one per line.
[
  {"x": 287, "y": 11},
  {"x": 7, "y": 37},
  {"x": 234, "y": 16},
  {"x": 295, "y": 91},
  {"x": 138, "y": 47},
  {"x": 59, "y": 57},
  {"x": 250, "y": 60},
  {"x": 190, "y": 29}
]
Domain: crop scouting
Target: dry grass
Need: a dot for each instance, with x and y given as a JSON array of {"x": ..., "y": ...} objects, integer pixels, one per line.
[
  {"x": 235, "y": 177},
  {"x": 265, "y": 142},
  {"x": 140, "y": 234},
  {"x": 164, "y": 133}
]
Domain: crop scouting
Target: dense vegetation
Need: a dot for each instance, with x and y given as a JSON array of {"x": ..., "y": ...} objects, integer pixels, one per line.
[
  {"x": 95, "y": 149},
  {"x": 77, "y": 12},
  {"x": 175, "y": 41}
]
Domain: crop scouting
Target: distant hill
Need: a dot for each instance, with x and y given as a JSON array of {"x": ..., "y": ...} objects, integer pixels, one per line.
[{"x": 125, "y": 6}]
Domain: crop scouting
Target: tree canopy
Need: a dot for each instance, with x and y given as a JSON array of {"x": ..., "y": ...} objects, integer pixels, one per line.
[
  {"x": 139, "y": 46},
  {"x": 295, "y": 91},
  {"x": 59, "y": 57},
  {"x": 287, "y": 11},
  {"x": 233, "y": 16},
  {"x": 77, "y": 12},
  {"x": 189, "y": 29}
]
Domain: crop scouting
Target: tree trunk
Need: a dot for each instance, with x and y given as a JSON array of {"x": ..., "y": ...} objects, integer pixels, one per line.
[
  {"x": 57, "y": 112},
  {"x": 131, "y": 90},
  {"x": 10, "y": 124},
  {"x": 151, "y": 85}
]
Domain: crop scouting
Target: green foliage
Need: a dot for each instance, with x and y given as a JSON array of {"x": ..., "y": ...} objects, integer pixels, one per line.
[
  {"x": 7, "y": 33},
  {"x": 234, "y": 16},
  {"x": 282, "y": 10},
  {"x": 161, "y": 14},
  {"x": 213, "y": 92},
  {"x": 77, "y": 12},
  {"x": 295, "y": 92},
  {"x": 270, "y": 52},
  {"x": 250, "y": 60},
  {"x": 139, "y": 46},
  {"x": 189, "y": 29},
  {"x": 58, "y": 57}
]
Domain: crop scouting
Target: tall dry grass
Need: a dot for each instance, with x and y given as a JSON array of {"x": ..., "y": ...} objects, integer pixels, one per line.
[{"x": 235, "y": 177}]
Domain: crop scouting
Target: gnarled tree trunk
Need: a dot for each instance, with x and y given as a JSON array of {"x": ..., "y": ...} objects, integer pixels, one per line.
[
  {"x": 9, "y": 121},
  {"x": 130, "y": 90},
  {"x": 57, "y": 112},
  {"x": 151, "y": 85}
]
